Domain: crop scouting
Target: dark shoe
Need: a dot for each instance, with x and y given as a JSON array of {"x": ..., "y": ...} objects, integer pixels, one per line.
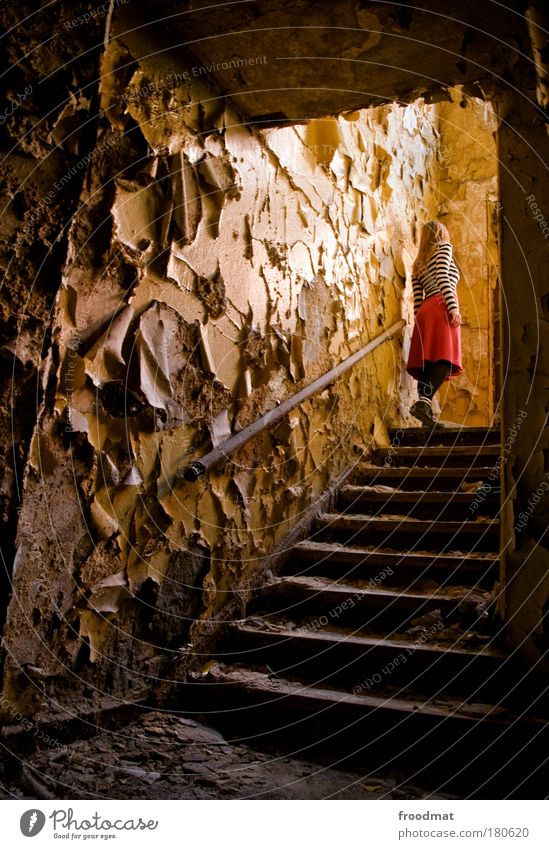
[{"x": 422, "y": 410}]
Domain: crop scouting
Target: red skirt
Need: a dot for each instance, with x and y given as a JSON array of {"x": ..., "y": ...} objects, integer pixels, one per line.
[{"x": 434, "y": 338}]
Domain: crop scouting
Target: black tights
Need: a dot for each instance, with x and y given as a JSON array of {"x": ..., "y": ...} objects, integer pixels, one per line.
[{"x": 431, "y": 378}]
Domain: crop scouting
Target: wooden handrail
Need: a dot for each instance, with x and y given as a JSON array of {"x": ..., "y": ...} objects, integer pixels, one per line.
[{"x": 198, "y": 468}]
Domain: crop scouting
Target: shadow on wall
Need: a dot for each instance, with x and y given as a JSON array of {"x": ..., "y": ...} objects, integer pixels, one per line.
[{"x": 239, "y": 266}]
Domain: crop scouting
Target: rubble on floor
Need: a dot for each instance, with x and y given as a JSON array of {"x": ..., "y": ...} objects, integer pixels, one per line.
[{"x": 165, "y": 756}]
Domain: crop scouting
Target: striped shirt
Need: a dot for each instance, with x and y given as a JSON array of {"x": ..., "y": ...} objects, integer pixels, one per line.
[{"x": 440, "y": 277}]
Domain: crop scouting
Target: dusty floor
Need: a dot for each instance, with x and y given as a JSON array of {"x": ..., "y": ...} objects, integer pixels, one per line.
[{"x": 162, "y": 756}]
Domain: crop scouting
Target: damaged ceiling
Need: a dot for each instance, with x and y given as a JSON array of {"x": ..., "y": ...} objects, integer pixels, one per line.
[{"x": 281, "y": 60}]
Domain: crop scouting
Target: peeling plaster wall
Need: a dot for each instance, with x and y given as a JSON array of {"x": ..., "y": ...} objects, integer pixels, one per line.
[
  {"x": 463, "y": 195},
  {"x": 467, "y": 191},
  {"x": 47, "y": 126},
  {"x": 213, "y": 270},
  {"x": 113, "y": 562}
]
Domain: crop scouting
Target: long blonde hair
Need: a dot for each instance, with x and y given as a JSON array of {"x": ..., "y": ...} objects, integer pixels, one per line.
[{"x": 433, "y": 234}]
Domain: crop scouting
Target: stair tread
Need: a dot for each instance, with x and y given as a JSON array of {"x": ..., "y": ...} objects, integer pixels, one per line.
[
  {"x": 425, "y": 471},
  {"x": 457, "y": 429},
  {"x": 451, "y": 435},
  {"x": 405, "y": 521},
  {"x": 493, "y": 428},
  {"x": 322, "y": 585},
  {"x": 454, "y": 708},
  {"x": 366, "y": 641},
  {"x": 375, "y": 553},
  {"x": 441, "y": 450},
  {"x": 305, "y": 650},
  {"x": 412, "y": 495},
  {"x": 406, "y": 477}
]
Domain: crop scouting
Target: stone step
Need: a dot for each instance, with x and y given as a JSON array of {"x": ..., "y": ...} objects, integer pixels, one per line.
[
  {"x": 344, "y": 605},
  {"x": 417, "y": 504},
  {"x": 366, "y": 663},
  {"x": 438, "y": 455},
  {"x": 443, "y": 479},
  {"x": 393, "y": 532},
  {"x": 334, "y": 560},
  {"x": 467, "y": 743},
  {"x": 448, "y": 436}
]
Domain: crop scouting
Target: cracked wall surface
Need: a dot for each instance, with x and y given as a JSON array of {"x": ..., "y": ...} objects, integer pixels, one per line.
[
  {"x": 467, "y": 191},
  {"x": 47, "y": 126},
  {"x": 234, "y": 266},
  {"x": 213, "y": 267}
]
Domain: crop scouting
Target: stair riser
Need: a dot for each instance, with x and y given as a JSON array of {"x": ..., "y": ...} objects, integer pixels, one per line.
[
  {"x": 407, "y": 479},
  {"x": 422, "y": 509},
  {"x": 350, "y": 610},
  {"x": 465, "y": 573},
  {"x": 352, "y": 640},
  {"x": 421, "y": 458},
  {"x": 380, "y": 739},
  {"x": 432, "y": 540},
  {"x": 422, "y": 436},
  {"x": 369, "y": 671}
]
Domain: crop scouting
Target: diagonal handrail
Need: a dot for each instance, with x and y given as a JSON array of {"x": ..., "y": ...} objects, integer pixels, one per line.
[{"x": 198, "y": 468}]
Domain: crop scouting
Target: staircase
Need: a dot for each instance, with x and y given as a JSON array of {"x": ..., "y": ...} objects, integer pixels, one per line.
[{"x": 379, "y": 639}]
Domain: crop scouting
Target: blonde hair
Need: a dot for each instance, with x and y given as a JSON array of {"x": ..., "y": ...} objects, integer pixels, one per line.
[{"x": 433, "y": 234}]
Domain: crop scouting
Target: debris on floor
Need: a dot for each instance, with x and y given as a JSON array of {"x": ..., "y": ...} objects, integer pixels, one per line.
[{"x": 166, "y": 756}]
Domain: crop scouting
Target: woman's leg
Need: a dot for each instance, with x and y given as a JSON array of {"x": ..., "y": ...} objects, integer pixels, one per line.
[{"x": 431, "y": 378}]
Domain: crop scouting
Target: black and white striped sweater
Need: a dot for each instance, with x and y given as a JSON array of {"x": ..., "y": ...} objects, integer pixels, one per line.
[{"x": 440, "y": 276}]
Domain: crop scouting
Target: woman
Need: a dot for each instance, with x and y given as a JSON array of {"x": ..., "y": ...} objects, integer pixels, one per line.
[{"x": 435, "y": 349}]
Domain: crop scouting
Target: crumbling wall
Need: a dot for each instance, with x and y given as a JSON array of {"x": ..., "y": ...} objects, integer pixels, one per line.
[
  {"x": 210, "y": 275},
  {"x": 214, "y": 269},
  {"x": 463, "y": 194},
  {"x": 47, "y": 129},
  {"x": 467, "y": 191}
]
